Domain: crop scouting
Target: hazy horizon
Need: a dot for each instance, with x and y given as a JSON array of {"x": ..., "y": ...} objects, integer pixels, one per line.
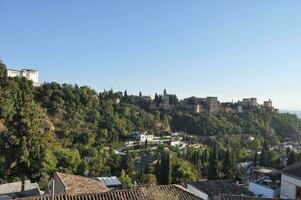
[{"x": 202, "y": 48}]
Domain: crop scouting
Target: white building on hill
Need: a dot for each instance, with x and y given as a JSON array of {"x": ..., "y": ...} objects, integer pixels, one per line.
[{"x": 30, "y": 74}]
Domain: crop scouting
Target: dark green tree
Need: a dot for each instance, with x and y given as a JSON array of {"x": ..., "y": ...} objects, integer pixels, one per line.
[
  {"x": 164, "y": 169},
  {"x": 213, "y": 172},
  {"x": 264, "y": 159},
  {"x": 3, "y": 74},
  {"x": 6, "y": 94},
  {"x": 255, "y": 158},
  {"x": 229, "y": 165},
  {"x": 25, "y": 140},
  {"x": 291, "y": 158},
  {"x": 130, "y": 167},
  {"x": 156, "y": 99}
]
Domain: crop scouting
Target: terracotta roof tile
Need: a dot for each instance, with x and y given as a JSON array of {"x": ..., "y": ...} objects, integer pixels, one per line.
[
  {"x": 238, "y": 197},
  {"x": 78, "y": 184},
  {"x": 168, "y": 192}
]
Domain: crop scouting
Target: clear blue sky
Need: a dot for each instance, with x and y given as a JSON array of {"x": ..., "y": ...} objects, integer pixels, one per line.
[{"x": 230, "y": 49}]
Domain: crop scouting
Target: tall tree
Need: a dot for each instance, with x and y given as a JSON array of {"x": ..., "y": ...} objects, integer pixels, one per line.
[
  {"x": 125, "y": 95},
  {"x": 213, "y": 173},
  {"x": 264, "y": 159},
  {"x": 255, "y": 158},
  {"x": 3, "y": 73},
  {"x": 229, "y": 166},
  {"x": 26, "y": 144},
  {"x": 130, "y": 167},
  {"x": 291, "y": 158},
  {"x": 165, "y": 169},
  {"x": 6, "y": 104},
  {"x": 156, "y": 99}
]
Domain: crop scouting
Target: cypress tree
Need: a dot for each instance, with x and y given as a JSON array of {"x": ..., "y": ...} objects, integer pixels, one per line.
[
  {"x": 3, "y": 74},
  {"x": 263, "y": 160},
  {"x": 165, "y": 169},
  {"x": 129, "y": 165},
  {"x": 229, "y": 167},
  {"x": 156, "y": 99},
  {"x": 213, "y": 173},
  {"x": 291, "y": 158},
  {"x": 255, "y": 158}
]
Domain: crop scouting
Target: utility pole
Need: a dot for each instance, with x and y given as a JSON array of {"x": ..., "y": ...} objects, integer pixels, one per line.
[{"x": 52, "y": 190}]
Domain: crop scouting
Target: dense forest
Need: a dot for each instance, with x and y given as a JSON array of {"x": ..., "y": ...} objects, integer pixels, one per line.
[{"x": 75, "y": 129}]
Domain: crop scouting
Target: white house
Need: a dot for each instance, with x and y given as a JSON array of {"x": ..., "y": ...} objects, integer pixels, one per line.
[
  {"x": 291, "y": 182},
  {"x": 142, "y": 137},
  {"x": 145, "y": 136}
]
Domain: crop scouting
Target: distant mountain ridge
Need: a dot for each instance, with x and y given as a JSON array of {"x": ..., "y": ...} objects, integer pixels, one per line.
[{"x": 298, "y": 113}]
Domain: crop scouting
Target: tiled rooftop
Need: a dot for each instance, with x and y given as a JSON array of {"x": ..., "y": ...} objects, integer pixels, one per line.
[
  {"x": 168, "y": 192},
  {"x": 293, "y": 170},
  {"x": 78, "y": 184},
  {"x": 239, "y": 197},
  {"x": 216, "y": 187}
]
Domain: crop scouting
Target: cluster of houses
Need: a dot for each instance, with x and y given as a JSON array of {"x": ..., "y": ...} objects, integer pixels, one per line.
[
  {"x": 174, "y": 139},
  {"x": 264, "y": 183}
]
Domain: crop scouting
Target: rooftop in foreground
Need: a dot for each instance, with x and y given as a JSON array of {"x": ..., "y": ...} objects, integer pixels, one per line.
[
  {"x": 74, "y": 184},
  {"x": 293, "y": 170},
  {"x": 217, "y": 187},
  {"x": 165, "y": 192}
]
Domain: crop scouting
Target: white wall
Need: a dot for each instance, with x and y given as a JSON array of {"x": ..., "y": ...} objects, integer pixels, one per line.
[
  {"x": 32, "y": 75},
  {"x": 288, "y": 187},
  {"x": 262, "y": 190},
  {"x": 13, "y": 73},
  {"x": 197, "y": 192}
]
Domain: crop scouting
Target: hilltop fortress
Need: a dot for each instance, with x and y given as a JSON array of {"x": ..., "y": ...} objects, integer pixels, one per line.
[
  {"x": 30, "y": 74},
  {"x": 209, "y": 104}
]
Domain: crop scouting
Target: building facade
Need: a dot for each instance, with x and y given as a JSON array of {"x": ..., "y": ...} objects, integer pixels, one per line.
[
  {"x": 212, "y": 104},
  {"x": 291, "y": 182},
  {"x": 30, "y": 74}
]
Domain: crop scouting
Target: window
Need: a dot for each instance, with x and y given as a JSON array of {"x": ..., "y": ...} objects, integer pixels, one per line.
[{"x": 298, "y": 192}]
